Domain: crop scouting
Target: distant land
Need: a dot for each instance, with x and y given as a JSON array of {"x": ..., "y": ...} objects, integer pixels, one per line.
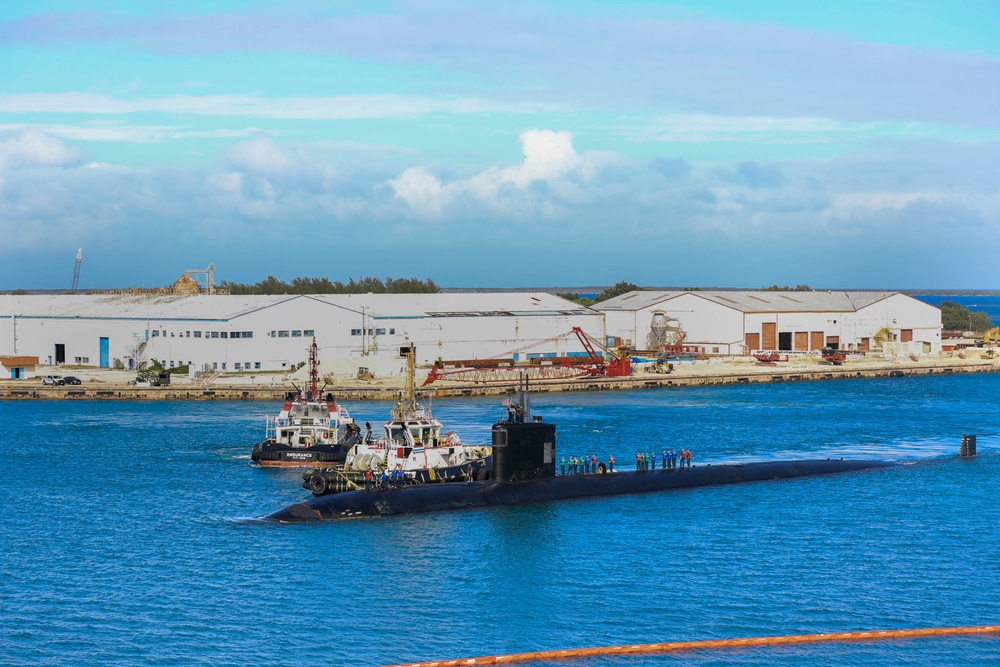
[{"x": 597, "y": 289}]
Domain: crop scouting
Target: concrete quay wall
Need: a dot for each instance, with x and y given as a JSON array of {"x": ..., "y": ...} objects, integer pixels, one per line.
[{"x": 19, "y": 390}]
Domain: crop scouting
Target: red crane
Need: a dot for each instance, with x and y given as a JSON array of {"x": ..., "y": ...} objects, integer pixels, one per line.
[{"x": 567, "y": 368}]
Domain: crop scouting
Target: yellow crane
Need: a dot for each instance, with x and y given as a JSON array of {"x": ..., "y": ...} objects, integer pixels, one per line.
[
  {"x": 884, "y": 335},
  {"x": 992, "y": 336}
]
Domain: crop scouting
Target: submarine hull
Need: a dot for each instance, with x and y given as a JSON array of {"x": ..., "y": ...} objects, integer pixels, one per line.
[{"x": 466, "y": 495}]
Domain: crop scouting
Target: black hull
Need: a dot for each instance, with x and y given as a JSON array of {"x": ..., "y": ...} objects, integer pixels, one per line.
[
  {"x": 278, "y": 454},
  {"x": 465, "y": 495}
]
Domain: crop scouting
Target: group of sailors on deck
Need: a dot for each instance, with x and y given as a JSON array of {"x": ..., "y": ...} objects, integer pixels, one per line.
[
  {"x": 671, "y": 459},
  {"x": 383, "y": 479}
]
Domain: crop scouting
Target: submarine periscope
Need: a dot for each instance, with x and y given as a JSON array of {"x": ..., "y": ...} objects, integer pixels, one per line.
[{"x": 524, "y": 471}]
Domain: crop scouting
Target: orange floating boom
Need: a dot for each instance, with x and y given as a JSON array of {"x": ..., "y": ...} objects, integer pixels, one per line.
[{"x": 665, "y": 647}]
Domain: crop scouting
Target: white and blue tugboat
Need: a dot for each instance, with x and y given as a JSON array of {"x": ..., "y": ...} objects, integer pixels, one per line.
[
  {"x": 310, "y": 430},
  {"x": 411, "y": 450}
]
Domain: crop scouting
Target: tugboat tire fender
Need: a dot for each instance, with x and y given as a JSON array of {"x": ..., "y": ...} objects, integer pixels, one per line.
[{"x": 317, "y": 484}]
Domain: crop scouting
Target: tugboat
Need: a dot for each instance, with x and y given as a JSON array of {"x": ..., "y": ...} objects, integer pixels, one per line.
[
  {"x": 311, "y": 429},
  {"x": 411, "y": 450}
]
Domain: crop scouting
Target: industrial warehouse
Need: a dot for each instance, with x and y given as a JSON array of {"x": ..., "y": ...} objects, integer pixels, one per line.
[{"x": 238, "y": 334}]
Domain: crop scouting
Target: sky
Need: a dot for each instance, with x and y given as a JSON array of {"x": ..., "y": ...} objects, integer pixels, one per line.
[{"x": 714, "y": 143}]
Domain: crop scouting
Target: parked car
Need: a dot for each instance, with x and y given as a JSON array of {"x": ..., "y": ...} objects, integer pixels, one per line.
[
  {"x": 53, "y": 380},
  {"x": 70, "y": 379}
]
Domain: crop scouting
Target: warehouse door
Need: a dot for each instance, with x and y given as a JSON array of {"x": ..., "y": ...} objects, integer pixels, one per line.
[
  {"x": 801, "y": 341},
  {"x": 905, "y": 335},
  {"x": 866, "y": 344},
  {"x": 785, "y": 340},
  {"x": 60, "y": 353},
  {"x": 768, "y": 336},
  {"x": 833, "y": 342},
  {"x": 753, "y": 341},
  {"x": 104, "y": 352},
  {"x": 816, "y": 340}
]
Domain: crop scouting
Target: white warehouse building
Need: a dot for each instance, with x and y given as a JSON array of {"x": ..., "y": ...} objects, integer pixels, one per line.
[
  {"x": 254, "y": 332},
  {"x": 742, "y": 322}
]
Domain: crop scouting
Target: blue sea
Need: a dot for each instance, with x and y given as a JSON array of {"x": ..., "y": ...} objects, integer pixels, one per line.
[
  {"x": 131, "y": 536},
  {"x": 974, "y": 302}
]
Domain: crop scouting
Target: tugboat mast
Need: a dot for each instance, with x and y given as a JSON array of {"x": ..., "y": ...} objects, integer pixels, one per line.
[
  {"x": 406, "y": 406},
  {"x": 314, "y": 369}
]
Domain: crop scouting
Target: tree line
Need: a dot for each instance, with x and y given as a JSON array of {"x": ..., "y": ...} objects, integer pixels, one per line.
[
  {"x": 956, "y": 317},
  {"x": 363, "y": 285}
]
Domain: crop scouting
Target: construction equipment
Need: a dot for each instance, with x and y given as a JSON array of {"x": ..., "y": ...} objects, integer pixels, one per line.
[
  {"x": 591, "y": 364},
  {"x": 832, "y": 356},
  {"x": 992, "y": 336},
  {"x": 662, "y": 366},
  {"x": 365, "y": 374},
  {"x": 884, "y": 335},
  {"x": 76, "y": 270}
]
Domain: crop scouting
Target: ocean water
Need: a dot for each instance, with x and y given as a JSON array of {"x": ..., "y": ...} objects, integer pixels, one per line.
[
  {"x": 130, "y": 536},
  {"x": 989, "y": 304}
]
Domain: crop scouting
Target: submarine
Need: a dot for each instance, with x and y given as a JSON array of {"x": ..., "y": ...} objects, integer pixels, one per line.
[{"x": 523, "y": 471}]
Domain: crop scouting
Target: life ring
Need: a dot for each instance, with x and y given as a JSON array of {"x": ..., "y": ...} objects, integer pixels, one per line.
[{"x": 322, "y": 438}]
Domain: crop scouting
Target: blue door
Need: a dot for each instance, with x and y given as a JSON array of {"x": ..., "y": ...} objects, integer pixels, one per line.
[{"x": 104, "y": 353}]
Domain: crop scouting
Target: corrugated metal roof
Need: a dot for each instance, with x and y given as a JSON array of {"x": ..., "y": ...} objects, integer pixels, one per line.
[
  {"x": 227, "y": 307},
  {"x": 754, "y": 301}
]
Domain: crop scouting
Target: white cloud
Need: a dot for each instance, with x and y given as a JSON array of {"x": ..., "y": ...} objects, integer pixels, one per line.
[
  {"x": 549, "y": 160},
  {"x": 126, "y": 133},
  {"x": 261, "y": 155},
  {"x": 34, "y": 148},
  {"x": 343, "y": 107},
  {"x": 421, "y": 190}
]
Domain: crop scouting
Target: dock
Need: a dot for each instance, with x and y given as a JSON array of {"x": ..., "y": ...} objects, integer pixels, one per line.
[{"x": 352, "y": 391}]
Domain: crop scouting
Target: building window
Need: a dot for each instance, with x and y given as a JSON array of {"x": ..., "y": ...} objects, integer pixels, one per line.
[
  {"x": 171, "y": 364},
  {"x": 246, "y": 365},
  {"x": 296, "y": 333},
  {"x": 392, "y": 332},
  {"x": 282, "y": 334},
  {"x": 239, "y": 366},
  {"x": 380, "y": 332},
  {"x": 197, "y": 334},
  {"x": 223, "y": 365},
  {"x": 355, "y": 332},
  {"x": 187, "y": 334},
  {"x": 308, "y": 332},
  {"x": 224, "y": 334},
  {"x": 256, "y": 364},
  {"x": 215, "y": 365},
  {"x": 248, "y": 334},
  {"x": 215, "y": 334},
  {"x": 156, "y": 333},
  {"x": 81, "y": 360}
]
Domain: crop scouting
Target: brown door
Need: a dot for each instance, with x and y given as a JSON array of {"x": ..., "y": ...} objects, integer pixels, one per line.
[
  {"x": 753, "y": 341},
  {"x": 801, "y": 341},
  {"x": 816, "y": 340},
  {"x": 833, "y": 341},
  {"x": 769, "y": 336},
  {"x": 866, "y": 344},
  {"x": 905, "y": 335}
]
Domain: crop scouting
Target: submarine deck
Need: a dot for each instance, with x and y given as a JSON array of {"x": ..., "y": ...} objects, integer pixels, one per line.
[{"x": 468, "y": 495}]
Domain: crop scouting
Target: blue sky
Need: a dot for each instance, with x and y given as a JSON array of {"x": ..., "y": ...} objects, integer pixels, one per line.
[{"x": 838, "y": 144}]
